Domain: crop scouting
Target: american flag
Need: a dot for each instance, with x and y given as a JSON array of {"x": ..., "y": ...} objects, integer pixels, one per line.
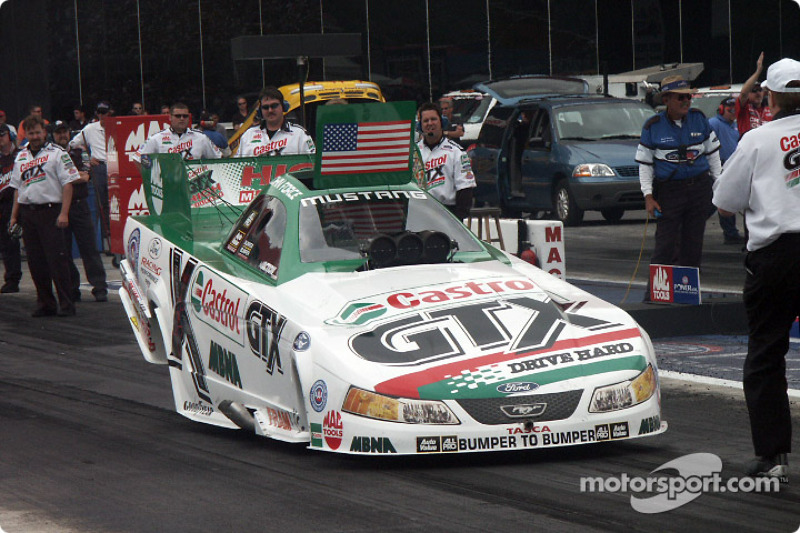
[{"x": 366, "y": 147}]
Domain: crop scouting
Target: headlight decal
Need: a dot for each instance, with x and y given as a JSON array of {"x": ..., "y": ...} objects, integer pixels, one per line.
[
  {"x": 404, "y": 410},
  {"x": 624, "y": 394}
]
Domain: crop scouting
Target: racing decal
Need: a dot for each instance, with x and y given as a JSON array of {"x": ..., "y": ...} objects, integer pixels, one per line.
[
  {"x": 455, "y": 331},
  {"x": 302, "y": 342},
  {"x": 137, "y": 203},
  {"x": 332, "y": 429},
  {"x": 619, "y": 430},
  {"x": 223, "y": 363},
  {"x": 480, "y": 377},
  {"x": 154, "y": 248},
  {"x": 525, "y": 410},
  {"x": 113, "y": 207},
  {"x": 318, "y": 396},
  {"x": 517, "y": 387},
  {"x": 265, "y": 175},
  {"x": 372, "y": 445},
  {"x": 437, "y": 444},
  {"x": 650, "y": 424},
  {"x": 273, "y": 146},
  {"x": 198, "y": 408},
  {"x": 175, "y": 263},
  {"x": 204, "y": 189},
  {"x": 182, "y": 327},
  {"x": 133, "y": 252},
  {"x": 316, "y": 435},
  {"x": 434, "y": 170},
  {"x": 33, "y": 171},
  {"x": 275, "y": 418},
  {"x": 218, "y": 303},
  {"x": 264, "y": 328},
  {"x": 360, "y": 196}
]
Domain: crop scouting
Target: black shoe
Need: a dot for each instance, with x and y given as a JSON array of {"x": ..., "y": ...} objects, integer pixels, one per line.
[
  {"x": 43, "y": 311},
  {"x": 68, "y": 311},
  {"x": 734, "y": 239},
  {"x": 9, "y": 287},
  {"x": 76, "y": 296},
  {"x": 775, "y": 466},
  {"x": 101, "y": 297}
]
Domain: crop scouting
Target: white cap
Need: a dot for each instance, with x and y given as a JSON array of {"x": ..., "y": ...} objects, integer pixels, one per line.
[{"x": 780, "y": 74}]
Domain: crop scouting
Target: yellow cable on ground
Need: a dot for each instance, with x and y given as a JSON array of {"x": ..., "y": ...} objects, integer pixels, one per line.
[{"x": 638, "y": 261}]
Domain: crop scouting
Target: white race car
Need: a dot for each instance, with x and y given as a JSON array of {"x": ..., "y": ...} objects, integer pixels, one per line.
[{"x": 362, "y": 317}]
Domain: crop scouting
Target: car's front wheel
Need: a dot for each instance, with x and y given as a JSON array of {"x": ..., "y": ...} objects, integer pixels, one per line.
[
  {"x": 612, "y": 214},
  {"x": 567, "y": 211}
]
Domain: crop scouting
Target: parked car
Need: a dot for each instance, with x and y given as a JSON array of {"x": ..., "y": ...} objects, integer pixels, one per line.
[
  {"x": 557, "y": 152},
  {"x": 708, "y": 99},
  {"x": 470, "y": 108}
]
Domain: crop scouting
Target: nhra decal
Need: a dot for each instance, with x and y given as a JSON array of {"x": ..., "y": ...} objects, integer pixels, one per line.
[
  {"x": 224, "y": 364},
  {"x": 372, "y": 445},
  {"x": 318, "y": 396},
  {"x": 218, "y": 303},
  {"x": 479, "y": 377},
  {"x": 264, "y": 328},
  {"x": 332, "y": 429},
  {"x": 182, "y": 326}
]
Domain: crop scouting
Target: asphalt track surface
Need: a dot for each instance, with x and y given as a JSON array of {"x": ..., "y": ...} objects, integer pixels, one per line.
[{"x": 89, "y": 443}]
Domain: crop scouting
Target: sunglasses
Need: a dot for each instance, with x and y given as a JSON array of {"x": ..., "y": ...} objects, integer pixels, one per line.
[
  {"x": 180, "y": 115},
  {"x": 757, "y": 90},
  {"x": 270, "y": 106},
  {"x": 242, "y": 103}
]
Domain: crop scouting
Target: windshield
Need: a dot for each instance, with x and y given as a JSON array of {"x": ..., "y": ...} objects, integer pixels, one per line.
[
  {"x": 337, "y": 227},
  {"x": 480, "y": 111},
  {"x": 594, "y": 122}
]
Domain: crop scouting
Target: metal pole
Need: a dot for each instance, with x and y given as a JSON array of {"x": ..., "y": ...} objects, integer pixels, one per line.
[
  {"x": 202, "y": 66},
  {"x": 730, "y": 46},
  {"x": 141, "y": 62},
  {"x": 488, "y": 39},
  {"x": 261, "y": 26},
  {"x": 549, "y": 39},
  {"x": 680, "y": 25},
  {"x": 428, "y": 39},
  {"x": 369, "y": 59},
  {"x": 322, "y": 31},
  {"x": 78, "y": 46},
  {"x": 633, "y": 38},
  {"x": 597, "y": 37}
]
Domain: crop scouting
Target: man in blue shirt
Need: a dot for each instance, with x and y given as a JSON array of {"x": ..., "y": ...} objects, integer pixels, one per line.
[
  {"x": 678, "y": 158},
  {"x": 724, "y": 125}
]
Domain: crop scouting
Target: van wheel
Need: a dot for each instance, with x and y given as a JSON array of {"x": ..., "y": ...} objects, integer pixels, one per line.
[
  {"x": 612, "y": 214},
  {"x": 566, "y": 210}
]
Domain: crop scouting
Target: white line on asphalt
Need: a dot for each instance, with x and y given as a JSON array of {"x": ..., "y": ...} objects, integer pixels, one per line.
[{"x": 694, "y": 378}]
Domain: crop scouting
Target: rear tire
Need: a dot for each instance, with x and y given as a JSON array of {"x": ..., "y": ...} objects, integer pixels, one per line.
[
  {"x": 612, "y": 214},
  {"x": 566, "y": 210}
]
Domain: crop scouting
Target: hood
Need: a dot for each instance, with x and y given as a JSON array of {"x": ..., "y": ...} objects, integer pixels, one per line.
[
  {"x": 615, "y": 153},
  {"x": 467, "y": 331}
]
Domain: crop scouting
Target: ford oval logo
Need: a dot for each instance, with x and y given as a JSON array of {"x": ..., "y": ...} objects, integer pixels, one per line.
[{"x": 517, "y": 387}]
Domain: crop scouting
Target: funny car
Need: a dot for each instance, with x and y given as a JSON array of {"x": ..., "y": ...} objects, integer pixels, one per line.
[{"x": 329, "y": 300}]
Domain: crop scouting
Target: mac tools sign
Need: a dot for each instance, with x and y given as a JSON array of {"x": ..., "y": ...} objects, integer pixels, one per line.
[{"x": 674, "y": 284}]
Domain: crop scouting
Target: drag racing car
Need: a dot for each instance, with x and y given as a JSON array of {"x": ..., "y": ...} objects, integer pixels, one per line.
[{"x": 329, "y": 300}]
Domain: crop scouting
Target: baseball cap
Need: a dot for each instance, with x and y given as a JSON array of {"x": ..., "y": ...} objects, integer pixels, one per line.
[
  {"x": 104, "y": 106},
  {"x": 5, "y": 129},
  {"x": 60, "y": 125},
  {"x": 728, "y": 102},
  {"x": 780, "y": 74}
]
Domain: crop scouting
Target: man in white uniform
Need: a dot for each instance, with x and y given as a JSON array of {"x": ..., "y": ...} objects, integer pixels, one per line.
[
  {"x": 447, "y": 168},
  {"x": 275, "y": 135},
  {"x": 179, "y": 138},
  {"x": 762, "y": 178}
]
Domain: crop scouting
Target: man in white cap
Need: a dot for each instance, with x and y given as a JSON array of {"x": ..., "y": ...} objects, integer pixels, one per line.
[
  {"x": 762, "y": 178},
  {"x": 678, "y": 158}
]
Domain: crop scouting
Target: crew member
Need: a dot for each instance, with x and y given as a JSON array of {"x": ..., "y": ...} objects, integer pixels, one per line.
[
  {"x": 724, "y": 125},
  {"x": 750, "y": 109},
  {"x": 92, "y": 140},
  {"x": 275, "y": 135},
  {"x": 42, "y": 176},
  {"x": 761, "y": 178},
  {"x": 81, "y": 226},
  {"x": 678, "y": 155},
  {"x": 9, "y": 246},
  {"x": 451, "y": 129},
  {"x": 448, "y": 172},
  {"x": 179, "y": 138}
]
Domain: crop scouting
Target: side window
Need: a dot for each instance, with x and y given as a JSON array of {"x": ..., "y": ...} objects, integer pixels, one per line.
[
  {"x": 259, "y": 237},
  {"x": 540, "y": 132},
  {"x": 494, "y": 127}
]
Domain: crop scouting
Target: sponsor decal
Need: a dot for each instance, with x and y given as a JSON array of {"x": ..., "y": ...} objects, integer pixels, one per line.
[
  {"x": 672, "y": 284},
  {"x": 372, "y": 445},
  {"x": 198, "y": 408},
  {"x": 270, "y": 147},
  {"x": 361, "y": 196},
  {"x": 332, "y": 429},
  {"x": 217, "y": 303},
  {"x": 619, "y": 430},
  {"x": 517, "y": 387},
  {"x": 602, "y": 432},
  {"x": 316, "y": 435},
  {"x": 437, "y": 444},
  {"x": 136, "y": 138},
  {"x": 137, "y": 203},
  {"x": 551, "y": 360},
  {"x": 247, "y": 196},
  {"x": 154, "y": 248},
  {"x": 279, "y": 418},
  {"x": 358, "y": 314},
  {"x": 285, "y": 187},
  {"x": 532, "y": 428},
  {"x": 302, "y": 342},
  {"x": 264, "y": 328},
  {"x": 150, "y": 265},
  {"x": 318, "y": 396},
  {"x": 524, "y": 410},
  {"x": 113, "y": 207},
  {"x": 650, "y": 424},
  {"x": 133, "y": 251},
  {"x": 265, "y": 175},
  {"x": 223, "y": 363}
]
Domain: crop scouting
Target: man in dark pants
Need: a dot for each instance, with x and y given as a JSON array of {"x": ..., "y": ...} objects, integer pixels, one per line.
[
  {"x": 762, "y": 177},
  {"x": 42, "y": 176},
  {"x": 81, "y": 226},
  {"x": 9, "y": 246},
  {"x": 678, "y": 156}
]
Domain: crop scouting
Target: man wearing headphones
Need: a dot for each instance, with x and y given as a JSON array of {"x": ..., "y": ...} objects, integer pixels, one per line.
[
  {"x": 275, "y": 135},
  {"x": 724, "y": 125},
  {"x": 179, "y": 138},
  {"x": 447, "y": 169}
]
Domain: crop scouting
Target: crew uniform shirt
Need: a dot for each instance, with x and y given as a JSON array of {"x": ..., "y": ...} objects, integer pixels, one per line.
[
  {"x": 749, "y": 118},
  {"x": 763, "y": 179},
  {"x": 676, "y": 150},
  {"x": 289, "y": 139},
  {"x": 447, "y": 170},
  {"x": 91, "y": 139},
  {"x": 192, "y": 144},
  {"x": 39, "y": 178},
  {"x": 728, "y": 135}
]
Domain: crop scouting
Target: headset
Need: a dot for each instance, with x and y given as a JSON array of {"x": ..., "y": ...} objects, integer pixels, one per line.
[{"x": 722, "y": 106}]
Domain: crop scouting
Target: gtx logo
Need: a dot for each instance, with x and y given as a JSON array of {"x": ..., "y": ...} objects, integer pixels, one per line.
[{"x": 524, "y": 410}]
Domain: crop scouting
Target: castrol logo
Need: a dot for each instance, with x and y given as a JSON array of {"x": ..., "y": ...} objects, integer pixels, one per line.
[{"x": 218, "y": 303}]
